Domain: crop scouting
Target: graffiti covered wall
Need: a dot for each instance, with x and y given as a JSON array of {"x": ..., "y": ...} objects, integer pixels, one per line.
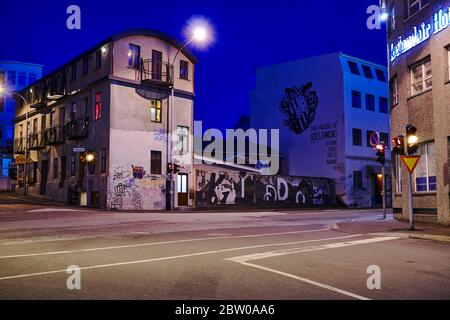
[
  {"x": 131, "y": 188},
  {"x": 224, "y": 187}
]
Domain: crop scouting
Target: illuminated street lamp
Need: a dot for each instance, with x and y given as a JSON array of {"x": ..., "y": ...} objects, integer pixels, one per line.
[
  {"x": 3, "y": 90},
  {"x": 199, "y": 32}
]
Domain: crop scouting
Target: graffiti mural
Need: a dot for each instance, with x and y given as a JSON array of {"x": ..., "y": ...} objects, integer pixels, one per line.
[
  {"x": 228, "y": 188},
  {"x": 130, "y": 188},
  {"x": 299, "y": 106}
]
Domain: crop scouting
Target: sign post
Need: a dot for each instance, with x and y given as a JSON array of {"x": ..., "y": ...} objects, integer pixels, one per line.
[{"x": 410, "y": 163}]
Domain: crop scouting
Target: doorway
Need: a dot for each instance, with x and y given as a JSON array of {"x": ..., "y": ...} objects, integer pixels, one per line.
[{"x": 182, "y": 183}]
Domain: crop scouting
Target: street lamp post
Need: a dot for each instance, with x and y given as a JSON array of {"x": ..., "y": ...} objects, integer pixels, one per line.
[{"x": 89, "y": 159}]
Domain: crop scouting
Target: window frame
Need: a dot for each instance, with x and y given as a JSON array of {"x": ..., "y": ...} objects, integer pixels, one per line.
[
  {"x": 133, "y": 56},
  {"x": 410, "y": 3},
  {"x": 425, "y": 157},
  {"x": 351, "y": 64},
  {"x": 395, "y": 98},
  {"x": 367, "y": 71},
  {"x": 359, "y": 185},
  {"x": 85, "y": 70},
  {"x": 386, "y": 100},
  {"x": 356, "y": 93},
  {"x": 156, "y": 155},
  {"x": 182, "y": 140},
  {"x": 373, "y": 106},
  {"x": 98, "y": 59},
  {"x": 424, "y": 79},
  {"x": 157, "y": 107},
  {"x": 184, "y": 70}
]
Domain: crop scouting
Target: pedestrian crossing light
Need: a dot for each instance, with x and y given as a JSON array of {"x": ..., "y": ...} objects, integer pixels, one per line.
[
  {"x": 411, "y": 139},
  {"x": 381, "y": 153}
]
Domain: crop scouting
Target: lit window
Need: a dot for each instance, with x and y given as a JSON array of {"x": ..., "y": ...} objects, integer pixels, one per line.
[
  {"x": 98, "y": 106},
  {"x": 421, "y": 77},
  {"x": 367, "y": 71},
  {"x": 134, "y": 56},
  {"x": 353, "y": 68},
  {"x": 155, "y": 110},
  {"x": 182, "y": 183},
  {"x": 370, "y": 102},
  {"x": 183, "y": 140},
  {"x": 184, "y": 70},
  {"x": 425, "y": 173},
  {"x": 394, "y": 91}
]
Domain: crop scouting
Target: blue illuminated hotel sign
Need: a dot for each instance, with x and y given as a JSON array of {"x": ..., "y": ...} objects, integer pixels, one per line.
[{"x": 421, "y": 33}]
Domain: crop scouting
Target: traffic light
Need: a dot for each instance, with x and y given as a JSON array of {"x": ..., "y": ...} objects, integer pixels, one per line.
[
  {"x": 170, "y": 167},
  {"x": 176, "y": 168},
  {"x": 398, "y": 145},
  {"x": 411, "y": 139},
  {"x": 381, "y": 153},
  {"x": 173, "y": 168}
]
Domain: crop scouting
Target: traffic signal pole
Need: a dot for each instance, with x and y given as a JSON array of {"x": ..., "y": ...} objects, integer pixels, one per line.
[
  {"x": 410, "y": 203},
  {"x": 384, "y": 191}
]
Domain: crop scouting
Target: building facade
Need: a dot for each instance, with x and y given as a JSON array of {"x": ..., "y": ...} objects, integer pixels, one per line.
[
  {"x": 14, "y": 75},
  {"x": 419, "y": 59},
  {"x": 326, "y": 108},
  {"x": 127, "y": 102}
]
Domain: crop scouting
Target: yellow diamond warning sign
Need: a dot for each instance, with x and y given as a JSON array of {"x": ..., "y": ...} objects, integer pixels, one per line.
[{"x": 410, "y": 162}]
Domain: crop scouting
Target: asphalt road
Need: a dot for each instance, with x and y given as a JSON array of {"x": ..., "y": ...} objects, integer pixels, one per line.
[{"x": 214, "y": 255}]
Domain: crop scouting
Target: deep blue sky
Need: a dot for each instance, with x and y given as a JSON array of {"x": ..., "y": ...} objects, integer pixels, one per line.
[{"x": 249, "y": 34}]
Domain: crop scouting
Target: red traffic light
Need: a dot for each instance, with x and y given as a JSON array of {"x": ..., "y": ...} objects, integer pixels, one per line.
[{"x": 398, "y": 144}]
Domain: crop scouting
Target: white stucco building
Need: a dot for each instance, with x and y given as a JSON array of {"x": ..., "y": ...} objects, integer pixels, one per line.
[
  {"x": 115, "y": 100},
  {"x": 326, "y": 108}
]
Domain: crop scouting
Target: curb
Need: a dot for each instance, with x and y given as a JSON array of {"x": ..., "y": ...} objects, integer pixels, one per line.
[{"x": 414, "y": 236}]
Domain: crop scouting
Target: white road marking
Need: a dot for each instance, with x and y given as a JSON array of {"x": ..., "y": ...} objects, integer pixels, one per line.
[
  {"x": 257, "y": 256},
  {"x": 160, "y": 243},
  {"x": 314, "y": 283},
  {"x": 177, "y": 257},
  {"x": 62, "y": 209}
]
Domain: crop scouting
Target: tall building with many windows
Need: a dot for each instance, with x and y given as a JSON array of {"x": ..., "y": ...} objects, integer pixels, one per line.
[
  {"x": 327, "y": 108},
  {"x": 103, "y": 127},
  {"x": 419, "y": 68},
  {"x": 14, "y": 75}
]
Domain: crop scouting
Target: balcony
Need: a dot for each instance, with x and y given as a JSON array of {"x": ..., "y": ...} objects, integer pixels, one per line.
[
  {"x": 54, "y": 136},
  {"x": 36, "y": 141},
  {"x": 19, "y": 146},
  {"x": 77, "y": 128},
  {"x": 156, "y": 72}
]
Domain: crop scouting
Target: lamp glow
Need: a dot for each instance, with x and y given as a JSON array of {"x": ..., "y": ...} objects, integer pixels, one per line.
[
  {"x": 412, "y": 139},
  {"x": 199, "y": 32},
  {"x": 384, "y": 16},
  {"x": 89, "y": 157},
  {"x": 103, "y": 49}
]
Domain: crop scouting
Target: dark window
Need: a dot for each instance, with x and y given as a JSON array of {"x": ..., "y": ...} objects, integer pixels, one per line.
[
  {"x": 367, "y": 71},
  {"x": 31, "y": 78},
  {"x": 155, "y": 163},
  {"x": 353, "y": 67},
  {"x": 134, "y": 55},
  {"x": 393, "y": 88},
  {"x": 74, "y": 72},
  {"x": 184, "y": 70},
  {"x": 73, "y": 110},
  {"x": 98, "y": 106},
  {"x": 357, "y": 137},
  {"x": 72, "y": 165},
  {"x": 98, "y": 59},
  {"x": 63, "y": 171},
  {"x": 384, "y": 137},
  {"x": 357, "y": 180},
  {"x": 384, "y": 102},
  {"x": 85, "y": 66},
  {"x": 381, "y": 76},
  {"x": 368, "y": 134},
  {"x": 356, "y": 99},
  {"x": 103, "y": 161},
  {"x": 55, "y": 168},
  {"x": 22, "y": 79},
  {"x": 11, "y": 78},
  {"x": 32, "y": 173},
  {"x": 370, "y": 102}
]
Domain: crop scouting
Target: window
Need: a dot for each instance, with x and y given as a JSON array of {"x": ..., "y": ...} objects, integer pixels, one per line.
[
  {"x": 370, "y": 102},
  {"x": 183, "y": 140},
  {"x": 184, "y": 70},
  {"x": 85, "y": 66},
  {"x": 383, "y": 104},
  {"x": 357, "y": 137},
  {"x": 72, "y": 165},
  {"x": 353, "y": 68},
  {"x": 98, "y": 106},
  {"x": 11, "y": 78},
  {"x": 74, "y": 72},
  {"x": 155, "y": 110},
  {"x": 381, "y": 76},
  {"x": 155, "y": 162},
  {"x": 356, "y": 99},
  {"x": 32, "y": 173},
  {"x": 91, "y": 167},
  {"x": 98, "y": 59},
  {"x": 22, "y": 79},
  {"x": 394, "y": 91},
  {"x": 134, "y": 56},
  {"x": 367, "y": 71},
  {"x": 31, "y": 78},
  {"x": 425, "y": 173},
  {"x": 103, "y": 160},
  {"x": 397, "y": 167},
  {"x": 415, "y": 6},
  {"x": 448, "y": 65},
  {"x": 421, "y": 77},
  {"x": 182, "y": 183},
  {"x": 63, "y": 171},
  {"x": 357, "y": 180},
  {"x": 55, "y": 168}
]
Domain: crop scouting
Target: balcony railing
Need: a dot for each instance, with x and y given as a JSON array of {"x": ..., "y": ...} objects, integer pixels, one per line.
[
  {"x": 36, "y": 141},
  {"x": 77, "y": 128},
  {"x": 156, "y": 72},
  {"x": 19, "y": 146},
  {"x": 54, "y": 136}
]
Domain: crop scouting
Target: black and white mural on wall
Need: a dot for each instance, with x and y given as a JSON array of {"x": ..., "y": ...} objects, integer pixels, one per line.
[
  {"x": 228, "y": 188},
  {"x": 299, "y": 106}
]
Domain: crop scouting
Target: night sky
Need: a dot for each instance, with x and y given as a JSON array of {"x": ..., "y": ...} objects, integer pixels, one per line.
[{"x": 249, "y": 34}]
